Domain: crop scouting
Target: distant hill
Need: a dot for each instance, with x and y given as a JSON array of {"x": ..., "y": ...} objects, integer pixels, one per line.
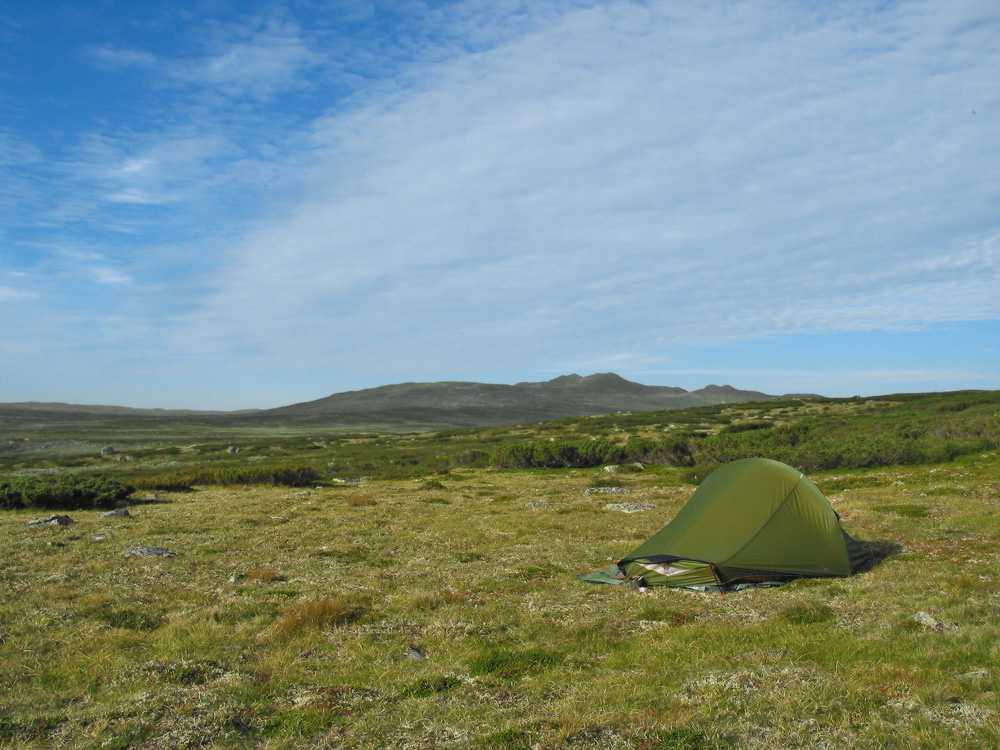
[
  {"x": 432, "y": 405},
  {"x": 480, "y": 404}
]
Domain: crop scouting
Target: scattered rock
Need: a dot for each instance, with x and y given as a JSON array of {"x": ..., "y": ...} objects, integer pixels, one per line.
[
  {"x": 119, "y": 513},
  {"x": 151, "y": 496},
  {"x": 108, "y": 450},
  {"x": 233, "y": 449},
  {"x": 538, "y": 504},
  {"x": 976, "y": 674},
  {"x": 415, "y": 653},
  {"x": 926, "y": 620},
  {"x": 123, "y": 459},
  {"x": 611, "y": 469},
  {"x": 236, "y": 577},
  {"x": 608, "y": 491},
  {"x": 304, "y": 492},
  {"x": 141, "y": 550},
  {"x": 98, "y": 537},
  {"x": 56, "y": 520},
  {"x": 630, "y": 507}
]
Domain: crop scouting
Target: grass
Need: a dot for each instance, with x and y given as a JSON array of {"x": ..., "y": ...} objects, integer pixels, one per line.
[{"x": 287, "y": 619}]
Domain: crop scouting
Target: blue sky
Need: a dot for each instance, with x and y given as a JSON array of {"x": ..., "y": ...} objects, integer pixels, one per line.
[{"x": 231, "y": 205}]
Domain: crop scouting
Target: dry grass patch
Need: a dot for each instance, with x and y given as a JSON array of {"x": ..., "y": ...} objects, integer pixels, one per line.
[
  {"x": 266, "y": 575},
  {"x": 360, "y": 501},
  {"x": 319, "y": 614}
]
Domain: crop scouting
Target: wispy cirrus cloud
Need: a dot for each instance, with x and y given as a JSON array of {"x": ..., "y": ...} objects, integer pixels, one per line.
[
  {"x": 559, "y": 185},
  {"x": 712, "y": 174}
]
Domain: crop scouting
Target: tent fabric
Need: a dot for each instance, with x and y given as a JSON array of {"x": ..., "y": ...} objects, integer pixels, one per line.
[{"x": 752, "y": 520}]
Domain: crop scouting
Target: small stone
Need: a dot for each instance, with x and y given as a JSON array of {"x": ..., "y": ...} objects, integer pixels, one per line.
[
  {"x": 119, "y": 513},
  {"x": 630, "y": 507},
  {"x": 142, "y": 550},
  {"x": 56, "y": 520},
  {"x": 925, "y": 619},
  {"x": 232, "y": 449},
  {"x": 108, "y": 450},
  {"x": 538, "y": 504},
  {"x": 607, "y": 491},
  {"x": 415, "y": 653},
  {"x": 611, "y": 469},
  {"x": 98, "y": 537}
]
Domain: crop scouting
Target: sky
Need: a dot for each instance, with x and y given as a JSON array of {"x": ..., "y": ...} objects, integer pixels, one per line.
[{"x": 227, "y": 205}]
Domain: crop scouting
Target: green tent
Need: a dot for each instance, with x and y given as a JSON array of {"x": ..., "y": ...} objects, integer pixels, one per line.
[{"x": 750, "y": 521}]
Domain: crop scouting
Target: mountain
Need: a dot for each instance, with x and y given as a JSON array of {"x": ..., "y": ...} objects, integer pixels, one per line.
[
  {"x": 420, "y": 405},
  {"x": 482, "y": 404}
]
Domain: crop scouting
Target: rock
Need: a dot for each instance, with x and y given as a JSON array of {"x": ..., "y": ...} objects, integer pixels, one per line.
[
  {"x": 611, "y": 469},
  {"x": 98, "y": 537},
  {"x": 108, "y": 450},
  {"x": 119, "y": 513},
  {"x": 141, "y": 550},
  {"x": 56, "y": 520},
  {"x": 152, "y": 497},
  {"x": 538, "y": 504},
  {"x": 125, "y": 458},
  {"x": 608, "y": 491},
  {"x": 415, "y": 653},
  {"x": 630, "y": 507},
  {"x": 976, "y": 674},
  {"x": 925, "y": 619},
  {"x": 232, "y": 449}
]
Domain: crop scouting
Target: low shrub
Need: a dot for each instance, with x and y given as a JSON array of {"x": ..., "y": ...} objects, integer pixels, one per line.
[
  {"x": 179, "y": 481},
  {"x": 64, "y": 493}
]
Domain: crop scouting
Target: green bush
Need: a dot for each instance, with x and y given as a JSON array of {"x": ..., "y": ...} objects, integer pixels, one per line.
[
  {"x": 64, "y": 493},
  {"x": 288, "y": 476}
]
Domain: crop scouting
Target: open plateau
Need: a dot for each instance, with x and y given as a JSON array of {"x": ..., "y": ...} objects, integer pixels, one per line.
[{"x": 397, "y": 568}]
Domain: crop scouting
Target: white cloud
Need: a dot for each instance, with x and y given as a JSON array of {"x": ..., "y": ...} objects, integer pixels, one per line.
[
  {"x": 111, "y": 277},
  {"x": 8, "y": 294},
  {"x": 633, "y": 175},
  {"x": 500, "y": 187}
]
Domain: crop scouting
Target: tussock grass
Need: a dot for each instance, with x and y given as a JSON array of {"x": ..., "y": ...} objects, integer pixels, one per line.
[
  {"x": 360, "y": 501},
  {"x": 265, "y": 575},
  {"x": 319, "y": 614},
  {"x": 101, "y": 650}
]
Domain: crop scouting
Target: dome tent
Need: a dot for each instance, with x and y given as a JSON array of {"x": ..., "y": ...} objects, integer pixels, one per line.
[{"x": 751, "y": 521}]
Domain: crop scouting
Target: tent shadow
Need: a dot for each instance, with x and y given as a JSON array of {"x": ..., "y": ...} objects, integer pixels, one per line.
[{"x": 879, "y": 550}]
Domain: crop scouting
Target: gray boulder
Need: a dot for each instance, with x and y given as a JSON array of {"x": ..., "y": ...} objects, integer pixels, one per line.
[
  {"x": 142, "y": 550},
  {"x": 119, "y": 513},
  {"x": 56, "y": 520}
]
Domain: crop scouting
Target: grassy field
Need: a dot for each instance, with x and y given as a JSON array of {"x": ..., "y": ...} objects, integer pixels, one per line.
[{"x": 295, "y": 617}]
